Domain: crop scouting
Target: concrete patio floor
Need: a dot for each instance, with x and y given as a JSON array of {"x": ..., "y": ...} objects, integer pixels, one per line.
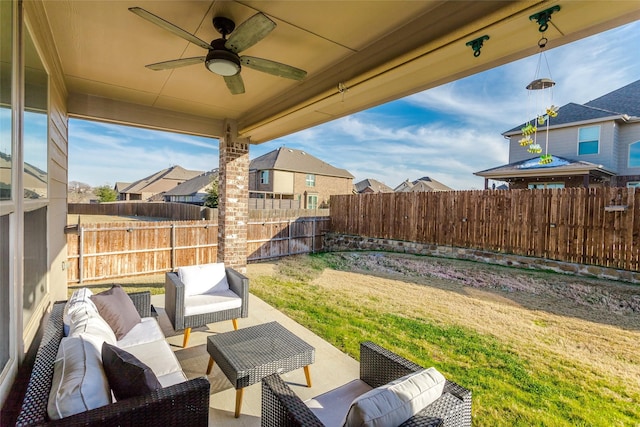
[{"x": 331, "y": 369}]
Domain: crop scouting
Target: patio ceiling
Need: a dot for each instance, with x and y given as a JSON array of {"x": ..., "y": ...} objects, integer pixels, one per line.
[{"x": 378, "y": 50}]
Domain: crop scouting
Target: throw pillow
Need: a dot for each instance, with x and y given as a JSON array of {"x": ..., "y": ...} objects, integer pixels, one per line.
[
  {"x": 80, "y": 300},
  {"x": 117, "y": 309},
  {"x": 395, "y": 402},
  {"x": 127, "y": 375},
  {"x": 79, "y": 383},
  {"x": 204, "y": 278}
]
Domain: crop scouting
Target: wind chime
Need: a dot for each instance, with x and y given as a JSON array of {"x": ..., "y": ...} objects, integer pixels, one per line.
[{"x": 540, "y": 98}]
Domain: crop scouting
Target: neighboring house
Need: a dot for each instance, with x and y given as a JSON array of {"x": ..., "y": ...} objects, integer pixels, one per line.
[
  {"x": 421, "y": 184},
  {"x": 286, "y": 173},
  {"x": 154, "y": 186},
  {"x": 371, "y": 186},
  {"x": 595, "y": 144},
  {"x": 120, "y": 186},
  {"x": 193, "y": 191}
]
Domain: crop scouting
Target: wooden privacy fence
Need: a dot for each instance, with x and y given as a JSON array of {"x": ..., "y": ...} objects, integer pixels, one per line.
[
  {"x": 112, "y": 250},
  {"x": 174, "y": 211},
  {"x": 597, "y": 226}
]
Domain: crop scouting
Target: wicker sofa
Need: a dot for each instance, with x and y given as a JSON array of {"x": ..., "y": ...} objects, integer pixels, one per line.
[
  {"x": 378, "y": 366},
  {"x": 186, "y": 403}
]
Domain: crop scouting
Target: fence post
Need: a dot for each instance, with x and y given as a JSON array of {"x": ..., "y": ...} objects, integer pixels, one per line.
[
  {"x": 173, "y": 247},
  {"x": 80, "y": 254},
  {"x": 313, "y": 235},
  {"x": 289, "y": 240}
]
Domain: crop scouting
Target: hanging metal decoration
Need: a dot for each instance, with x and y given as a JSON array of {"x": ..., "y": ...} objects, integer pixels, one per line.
[{"x": 540, "y": 100}]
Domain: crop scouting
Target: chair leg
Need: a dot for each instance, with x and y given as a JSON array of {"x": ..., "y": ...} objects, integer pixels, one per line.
[
  {"x": 235, "y": 324},
  {"x": 187, "y": 332}
]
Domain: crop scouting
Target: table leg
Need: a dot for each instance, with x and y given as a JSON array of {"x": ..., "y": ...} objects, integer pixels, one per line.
[
  {"x": 239, "y": 394},
  {"x": 308, "y": 375},
  {"x": 210, "y": 365}
]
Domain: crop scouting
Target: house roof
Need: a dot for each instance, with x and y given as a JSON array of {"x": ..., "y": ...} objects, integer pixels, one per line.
[
  {"x": 161, "y": 181},
  {"x": 194, "y": 185},
  {"x": 422, "y": 184},
  {"x": 373, "y": 185},
  {"x": 292, "y": 160},
  {"x": 620, "y": 102},
  {"x": 532, "y": 167}
]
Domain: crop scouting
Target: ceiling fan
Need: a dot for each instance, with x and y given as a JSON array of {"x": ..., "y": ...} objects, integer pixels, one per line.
[{"x": 222, "y": 57}]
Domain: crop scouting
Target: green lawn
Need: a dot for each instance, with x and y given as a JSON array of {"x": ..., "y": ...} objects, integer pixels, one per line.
[{"x": 511, "y": 386}]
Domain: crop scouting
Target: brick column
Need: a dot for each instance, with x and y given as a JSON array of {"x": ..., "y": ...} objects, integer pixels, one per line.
[{"x": 233, "y": 203}]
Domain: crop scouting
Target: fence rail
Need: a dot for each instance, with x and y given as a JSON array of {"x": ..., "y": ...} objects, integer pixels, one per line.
[
  {"x": 597, "y": 226},
  {"x": 112, "y": 250}
]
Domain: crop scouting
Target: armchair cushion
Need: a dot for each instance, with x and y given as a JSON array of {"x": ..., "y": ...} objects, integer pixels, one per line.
[
  {"x": 204, "y": 278},
  {"x": 331, "y": 407},
  {"x": 211, "y": 302},
  {"x": 395, "y": 402},
  {"x": 127, "y": 375},
  {"x": 117, "y": 309}
]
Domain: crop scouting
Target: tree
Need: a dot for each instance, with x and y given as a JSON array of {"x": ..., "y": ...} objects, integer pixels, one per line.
[
  {"x": 211, "y": 201},
  {"x": 105, "y": 193}
]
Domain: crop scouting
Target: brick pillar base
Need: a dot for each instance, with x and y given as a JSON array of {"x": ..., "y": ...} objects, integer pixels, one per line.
[{"x": 233, "y": 203}]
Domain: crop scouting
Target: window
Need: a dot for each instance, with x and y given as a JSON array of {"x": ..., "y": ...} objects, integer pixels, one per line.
[
  {"x": 634, "y": 155},
  {"x": 312, "y": 201},
  {"x": 5, "y": 302},
  {"x": 541, "y": 185},
  {"x": 311, "y": 180},
  {"x": 35, "y": 260},
  {"x": 264, "y": 177},
  {"x": 588, "y": 140}
]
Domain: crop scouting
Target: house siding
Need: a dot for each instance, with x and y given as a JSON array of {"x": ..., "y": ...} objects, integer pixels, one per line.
[
  {"x": 564, "y": 143},
  {"x": 627, "y": 135}
]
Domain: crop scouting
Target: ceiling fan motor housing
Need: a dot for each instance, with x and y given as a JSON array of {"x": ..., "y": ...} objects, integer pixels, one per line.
[{"x": 221, "y": 61}]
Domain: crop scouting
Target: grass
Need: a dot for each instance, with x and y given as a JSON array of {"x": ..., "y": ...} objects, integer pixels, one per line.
[{"x": 515, "y": 382}]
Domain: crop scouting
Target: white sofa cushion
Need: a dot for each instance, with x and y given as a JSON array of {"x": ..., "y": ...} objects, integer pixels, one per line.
[
  {"x": 172, "y": 379},
  {"x": 331, "y": 407},
  {"x": 91, "y": 326},
  {"x": 147, "y": 330},
  {"x": 204, "y": 278},
  {"x": 80, "y": 300},
  {"x": 211, "y": 302},
  {"x": 79, "y": 382},
  {"x": 395, "y": 402},
  {"x": 158, "y": 356}
]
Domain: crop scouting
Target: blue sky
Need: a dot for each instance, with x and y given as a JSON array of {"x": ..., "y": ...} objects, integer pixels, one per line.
[{"x": 446, "y": 133}]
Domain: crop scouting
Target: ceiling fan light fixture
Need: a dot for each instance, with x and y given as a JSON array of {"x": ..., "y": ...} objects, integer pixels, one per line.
[{"x": 223, "y": 63}]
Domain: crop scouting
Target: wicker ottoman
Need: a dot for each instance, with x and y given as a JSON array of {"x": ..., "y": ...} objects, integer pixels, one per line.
[{"x": 250, "y": 354}]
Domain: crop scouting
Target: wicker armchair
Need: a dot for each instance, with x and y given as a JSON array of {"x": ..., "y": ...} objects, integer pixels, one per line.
[
  {"x": 378, "y": 366},
  {"x": 174, "y": 300},
  {"x": 186, "y": 403}
]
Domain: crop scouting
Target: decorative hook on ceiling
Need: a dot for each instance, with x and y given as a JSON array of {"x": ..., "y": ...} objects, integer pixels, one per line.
[
  {"x": 543, "y": 18},
  {"x": 476, "y": 44},
  {"x": 342, "y": 88}
]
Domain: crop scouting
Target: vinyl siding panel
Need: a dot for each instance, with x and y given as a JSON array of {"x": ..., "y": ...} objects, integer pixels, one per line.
[{"x": 627, "y": 135}]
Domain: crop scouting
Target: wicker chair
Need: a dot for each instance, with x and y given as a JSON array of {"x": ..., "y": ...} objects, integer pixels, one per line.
[
  {"x": 174, "y": 300},
  {"x": 378, "y": 366}
]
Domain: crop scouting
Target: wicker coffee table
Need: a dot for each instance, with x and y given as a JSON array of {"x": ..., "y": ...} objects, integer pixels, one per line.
[{"x": 250, "y": 354}]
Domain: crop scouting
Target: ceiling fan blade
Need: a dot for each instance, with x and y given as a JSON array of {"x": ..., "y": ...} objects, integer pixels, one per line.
[
  {"x": 235, "y": 84},
  {"x": 272, "y": 67},
  {"x": 175, "y": 63},
  {"x": 169, "y": 27},
  {"x": 249, "y": 33}
]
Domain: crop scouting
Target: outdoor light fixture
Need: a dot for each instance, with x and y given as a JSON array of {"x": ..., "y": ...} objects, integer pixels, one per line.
[{"x": 222, "y": 62}]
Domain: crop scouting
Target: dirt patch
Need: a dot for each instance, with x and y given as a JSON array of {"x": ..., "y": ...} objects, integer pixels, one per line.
[{"x": 597, "y": 300}]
